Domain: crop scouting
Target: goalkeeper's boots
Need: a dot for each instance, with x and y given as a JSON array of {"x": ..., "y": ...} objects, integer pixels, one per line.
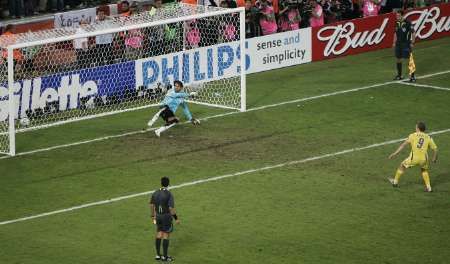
[
  {"x": 167, "y": 258},
  {"x": 158, "y": 132},
  {"x": 398, "y": 78},
  {"x": 157, "y": 257},
  {"x": 412, "y": 79}
]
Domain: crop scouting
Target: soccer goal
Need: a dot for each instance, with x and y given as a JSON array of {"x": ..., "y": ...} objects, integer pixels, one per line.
[{"x": 111, "y": 66}]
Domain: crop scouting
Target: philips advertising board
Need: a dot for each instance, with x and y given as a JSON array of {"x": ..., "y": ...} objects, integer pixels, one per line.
[
  {"x": 190, "y": 66},
  {"x": 223, "y": 60},
  {"x": 279, "y": 50}
]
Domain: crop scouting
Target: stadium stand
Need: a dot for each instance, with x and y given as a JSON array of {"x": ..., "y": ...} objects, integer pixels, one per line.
[{"x": 275, "y": 16}]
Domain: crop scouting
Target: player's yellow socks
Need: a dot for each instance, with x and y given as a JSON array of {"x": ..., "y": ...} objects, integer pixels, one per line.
[
  {"x": 398, "y": 174},
  {"x": 426, "y": 179}
]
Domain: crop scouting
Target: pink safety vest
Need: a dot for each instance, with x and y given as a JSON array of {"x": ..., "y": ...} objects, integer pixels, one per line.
[
  {"x": 317, "y": 22},
  {"x": 370, "y": 8}
]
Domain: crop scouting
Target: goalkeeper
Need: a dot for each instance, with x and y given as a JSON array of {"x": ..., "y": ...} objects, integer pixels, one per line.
[{"x": 175, "y": 97}]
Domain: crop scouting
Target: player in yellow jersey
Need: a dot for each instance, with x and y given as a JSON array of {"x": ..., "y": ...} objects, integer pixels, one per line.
[{"x": 420, "y": 142}]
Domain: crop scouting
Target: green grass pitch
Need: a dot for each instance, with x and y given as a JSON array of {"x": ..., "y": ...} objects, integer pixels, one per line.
[{"x": 338, "y": 208}]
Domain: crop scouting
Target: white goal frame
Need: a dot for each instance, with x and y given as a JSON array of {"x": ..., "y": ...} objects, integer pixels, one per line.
[{"x": 208, "y": 13}]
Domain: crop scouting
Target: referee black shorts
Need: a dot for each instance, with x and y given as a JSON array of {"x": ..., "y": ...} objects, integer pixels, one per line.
[
  {"x": 164, "y": 223},
  {"x": 402, "y": 50}
]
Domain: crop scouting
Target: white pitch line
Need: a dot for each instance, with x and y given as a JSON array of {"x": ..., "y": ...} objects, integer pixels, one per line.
[
  {"x": 433, "y": 74},
  {"x": 76, "y": 143},
  {"x": 216, "y": 178},
  {"x": 426, "y": 86},
  {"x": 323, "y": 95},
  {"x": 219, "y": 115}
]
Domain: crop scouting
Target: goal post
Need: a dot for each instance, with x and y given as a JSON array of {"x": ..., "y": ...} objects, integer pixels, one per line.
[
  {"x": 243, "y": 63},
  {"x": 64, "y": 75},
  {"x": 7, "y": 128},
  {"x": 11, "y": 104}
]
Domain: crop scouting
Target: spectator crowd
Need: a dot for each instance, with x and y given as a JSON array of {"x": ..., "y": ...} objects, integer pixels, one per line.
[
  {"x": 22, "y": 8},
  {"x": 265, "y": 17},
  {"x": 287, "y": 13}
]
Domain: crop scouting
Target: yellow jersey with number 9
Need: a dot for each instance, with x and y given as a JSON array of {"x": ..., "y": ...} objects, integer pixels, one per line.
[{"x": 420, "y": 142}]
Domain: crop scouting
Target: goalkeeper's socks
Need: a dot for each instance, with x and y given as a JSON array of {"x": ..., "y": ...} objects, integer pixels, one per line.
[
  {"x": 399, "y": 69},
  {"x": 165, "y": 246},
  {"x": 162, "y": 129},
  {"x": 158, "y": 246},
  {"x": 154, "y": 118}
]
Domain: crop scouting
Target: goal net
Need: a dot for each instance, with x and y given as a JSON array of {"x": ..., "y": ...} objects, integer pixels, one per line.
[{"x": 114, "y": 65}]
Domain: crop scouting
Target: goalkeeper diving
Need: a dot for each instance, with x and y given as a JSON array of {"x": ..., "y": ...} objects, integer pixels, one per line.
[{"x": 174, "y": 97}]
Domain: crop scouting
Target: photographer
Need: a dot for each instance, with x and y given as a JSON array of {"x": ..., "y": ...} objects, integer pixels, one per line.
[
  {"x": 251, "y": 26},
  {"x": 333, "y": 11},
  {"x": 266, "y": 18},
  {"x": 329, "y": 11},
  {"x": 370, "y": 7},
  {"x": 317, "y": 16},
  {"x": 289, "y": 18},
  {"x": 305, "y": 10},
  {"x": 348, "y": 10}
]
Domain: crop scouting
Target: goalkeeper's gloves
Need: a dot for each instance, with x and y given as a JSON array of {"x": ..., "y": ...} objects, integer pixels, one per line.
[
  {"x": 193, "y": 94},
  {"x": 195, "y": 121}
]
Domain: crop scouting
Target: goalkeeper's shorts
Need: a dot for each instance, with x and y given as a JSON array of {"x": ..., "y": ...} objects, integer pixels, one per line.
[{"x": 167, "y": 114}]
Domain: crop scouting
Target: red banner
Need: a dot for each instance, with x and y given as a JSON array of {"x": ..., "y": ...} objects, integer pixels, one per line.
[
  {"x": 373, "y": 33},
  {"x": 352, "y": 37},
  {"x": 432, "y": 22}
]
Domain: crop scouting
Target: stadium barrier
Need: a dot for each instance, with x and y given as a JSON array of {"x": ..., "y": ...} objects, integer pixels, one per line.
[
  {"x": 67, "y": 90},
  {"x": 431, "y": 23},
  {"x": 279, "y": 50},
  {"x": 373, "y": 33}
]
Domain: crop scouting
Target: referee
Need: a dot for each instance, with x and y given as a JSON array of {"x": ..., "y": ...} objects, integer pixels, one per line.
[
  {"x": 403, "y": 42},
  {"x": 163, "y": 210}
]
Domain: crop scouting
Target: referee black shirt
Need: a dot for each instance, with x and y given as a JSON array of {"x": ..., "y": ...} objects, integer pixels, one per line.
[
  {"x": 163, "y": 201},
  {"x": 403, "y": 32}
]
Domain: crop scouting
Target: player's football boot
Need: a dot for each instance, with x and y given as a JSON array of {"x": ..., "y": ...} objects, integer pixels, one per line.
[
  {"x": 398, "y": 78},
  {"x": 167, "y": 258},
  {"x": 392, "y": 181}
]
